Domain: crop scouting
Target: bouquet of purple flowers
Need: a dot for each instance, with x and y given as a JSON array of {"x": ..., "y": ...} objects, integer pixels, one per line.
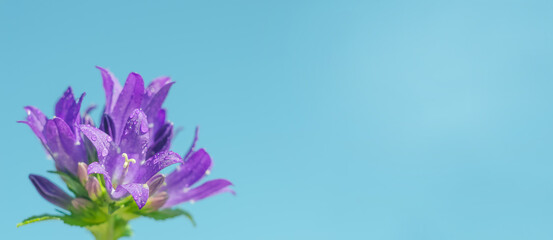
[{"x": 113, "y": 168}]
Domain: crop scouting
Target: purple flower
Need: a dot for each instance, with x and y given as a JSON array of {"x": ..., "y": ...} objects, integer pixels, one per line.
[
  {"x": 122, "y": 101},
  {"x": 59, "y": 135},
  {"x": 105, "y": 166},
  {"x": 179, "y": 183},
  {"x": 123, "y": 162}
]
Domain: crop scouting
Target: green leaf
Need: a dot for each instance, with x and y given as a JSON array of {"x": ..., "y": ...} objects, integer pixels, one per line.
[
  {"x": 77, "y": 221},
  {"x": 38, "y": 218},
  {"x": 73, "y": 184},
  {"x": 167, "y": 214}
]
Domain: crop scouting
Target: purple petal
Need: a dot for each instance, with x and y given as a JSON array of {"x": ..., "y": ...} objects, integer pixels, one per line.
[
  {"x": 107, "y": 125},
  {"x": 36, "y": 121},
  {"x": 68, "y": 109},
  {"x": 101, "y": 141},
  {"x": 139, "y": 192},
  {"x": 135, "y": 137},
  {"x": 155, "y": 96},
  {"x": 162, "y": 140},
  {"x": 96, "y": 167},
  {"x": 159, "y": 120},
  {"x": 50, "y": 191},
  {"x": 87, "y": 119},
  {"x": 153, "y": 165},
  {"x": 64, "y": 147},
  {"x": 191, "y": 149},
  {"x": 196, "y": 167},
  {"x": 129, "y": 100},
  {"x": 205, "y": 190},
  {"x": 111, "y": 87},
  {"x": 154, "y": 87}
]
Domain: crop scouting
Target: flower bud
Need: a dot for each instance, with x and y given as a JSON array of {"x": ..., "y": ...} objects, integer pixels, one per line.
[
  {"x": 50, "y": 191},
  {"x": 93, "y": 188},
  {"x": 81, "y": 204},
  {"x": 155, "y": 183},
  {"x": 82, "y": 172},
  {"x": 157, "y": 201}
]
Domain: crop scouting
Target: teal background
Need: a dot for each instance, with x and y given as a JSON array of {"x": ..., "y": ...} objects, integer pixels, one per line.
[{"x": 334, "y": 119}]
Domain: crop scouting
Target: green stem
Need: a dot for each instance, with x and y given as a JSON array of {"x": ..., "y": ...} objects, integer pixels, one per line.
[{"x": 112, "y": 229}]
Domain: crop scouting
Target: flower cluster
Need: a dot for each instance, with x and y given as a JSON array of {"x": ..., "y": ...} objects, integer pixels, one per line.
[{"x": 113, "y": 169}]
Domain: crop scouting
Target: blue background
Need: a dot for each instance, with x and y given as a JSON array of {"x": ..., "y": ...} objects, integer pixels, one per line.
[{"x": 334, "y": 120}]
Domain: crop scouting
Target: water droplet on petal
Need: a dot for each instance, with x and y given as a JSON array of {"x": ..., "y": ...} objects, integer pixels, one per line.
[
  {"x": 93, "y": 138},
  {"x": 104, "y": 152}
]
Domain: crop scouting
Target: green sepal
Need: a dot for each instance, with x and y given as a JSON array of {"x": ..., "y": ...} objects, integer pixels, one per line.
[
  {"x": 38, "y": 218},
  {"x": 167, "y": 214},
  {"x": 73, "y": 184}
]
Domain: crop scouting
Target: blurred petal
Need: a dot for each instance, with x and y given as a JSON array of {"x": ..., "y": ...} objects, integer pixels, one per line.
[
  {"x": 191, "y": 149},
  {"x": 190, "y": 172},
  {"x": 205, "y": 190},
  {"x": 50, "y": 191}
]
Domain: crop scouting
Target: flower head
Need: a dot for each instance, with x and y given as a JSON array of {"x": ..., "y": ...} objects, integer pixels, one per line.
[{"x": 113, "y": 169}]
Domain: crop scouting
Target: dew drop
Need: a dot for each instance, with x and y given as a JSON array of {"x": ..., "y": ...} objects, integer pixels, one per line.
[
  {"x": 93, "y": 138},
  {"x": 104, "y": 152}
]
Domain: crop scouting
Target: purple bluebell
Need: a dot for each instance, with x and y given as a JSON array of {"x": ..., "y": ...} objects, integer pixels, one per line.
[
  {"x": 59, "y": 135},
  {"x": 179, "y": 184},
  {"x": 122, "y": 101},
  {"x": 110, "y": 164},
  {"x": 123, "y": 162}
]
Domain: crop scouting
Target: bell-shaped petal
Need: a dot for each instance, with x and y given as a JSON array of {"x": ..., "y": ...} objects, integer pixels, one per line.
[
  {"x": 87, "y": 118},
  {"x": 50, "y": 191},
  {"x": 107, "y": 125},
  {"x": 162, "y": 140},
  {"x": 129, "y": 100},
  {"x": 66, "y": 150},
  {"x": 193, "y": 145},
  {"x": 101, "y": 141},
  {"x": 139, "y": 192},
  {"x": 36, "y": 121},
  {"x": 135, "y": 137},
  {"x": 112, "y": 87},
  {"x": 196, "y": 167},
  {"x": 205, "y": 190},
  {"x": 159, "y": 120},
  {"x": 153, "y": 165},
  {"x": 154, "y": 97},
  {"x": 68, "y": 109}
]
